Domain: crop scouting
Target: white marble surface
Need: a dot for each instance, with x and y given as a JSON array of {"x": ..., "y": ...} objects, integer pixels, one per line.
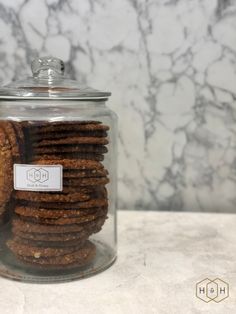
[
  {"x": 170, "y": 65},
  {"x": 161, "y": 257}
]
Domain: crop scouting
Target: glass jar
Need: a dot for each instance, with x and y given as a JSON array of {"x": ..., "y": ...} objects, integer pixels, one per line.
[{"x": 57, "y": 177}]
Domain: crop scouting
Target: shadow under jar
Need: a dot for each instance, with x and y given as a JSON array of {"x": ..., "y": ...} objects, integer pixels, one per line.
[{"x": 57, "y": 177}]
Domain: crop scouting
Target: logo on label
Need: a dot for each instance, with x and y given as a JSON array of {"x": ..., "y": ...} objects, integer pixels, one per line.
[
  {"x": 37, "y": 175},
  {"x": 215, "y": 290}
]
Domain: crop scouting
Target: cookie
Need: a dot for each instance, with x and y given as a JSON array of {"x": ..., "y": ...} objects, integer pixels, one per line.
[
  {"x": 72, "y": 141},
  {"x": 20, "y": 139},
  {"x": 84, "y": 173},
  {"x": 10, "y": 133},
  {"x": 72, "y": 164},
  {"x": 96, "y": 202},
  {"x": 52, "y": 197},
  {"x": 40, "y": 124},
  {"x": 85, "y": 181},
  {"x": 28, "y": 211},
  {"x": 63, "y": 238},
  {"x": 62, "y": 155},
  {"x": 27, "y": 226},
  {"x": 6, "y": 170},
  {"x": 67, "y": 220},
  {"x": 79, "y": 258},
  {"x": 86, "y": 148},
  {"x": 68, "y": 126},
  {"x": 69, "y": 195},
  {"x": 19, "y": 248},
  {"x": 19, "y": 131},
  {"x": 52, "y": 244},
  {"x": 65, "y": 134}
]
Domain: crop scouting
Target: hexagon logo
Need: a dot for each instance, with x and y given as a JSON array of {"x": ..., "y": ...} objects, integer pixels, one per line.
[
  {"x": 44, "y": 175},
  {"x": 31, "y": 175},
  {"x": 37, "y": 175},
  {"x": 223, "y": 290},
  {"x": 201, "y": 290},
  {"x": 212, "y": 290}
]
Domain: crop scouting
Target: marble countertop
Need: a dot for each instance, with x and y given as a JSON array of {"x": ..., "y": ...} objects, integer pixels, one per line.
[{"x": 161, "y": 257}]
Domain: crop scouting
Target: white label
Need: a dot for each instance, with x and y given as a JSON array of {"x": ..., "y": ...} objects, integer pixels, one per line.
[{"x": 38, "y": 177}]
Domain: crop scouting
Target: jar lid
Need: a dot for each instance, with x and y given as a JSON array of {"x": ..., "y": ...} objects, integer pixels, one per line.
[{"x": 49, "y": 82}]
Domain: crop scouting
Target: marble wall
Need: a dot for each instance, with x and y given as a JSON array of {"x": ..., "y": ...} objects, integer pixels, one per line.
[{"x": 170, "y": 65}]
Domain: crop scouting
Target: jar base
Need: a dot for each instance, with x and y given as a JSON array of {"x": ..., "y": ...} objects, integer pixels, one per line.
[{"x": 105, "y": 257}]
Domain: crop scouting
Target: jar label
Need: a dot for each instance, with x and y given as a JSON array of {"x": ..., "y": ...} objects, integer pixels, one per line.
[{"x": 38, "y": 177}]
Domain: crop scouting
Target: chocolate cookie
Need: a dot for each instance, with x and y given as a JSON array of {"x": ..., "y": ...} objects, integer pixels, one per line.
[
  {"x": 79, "y": 258},
  {"x": 65, "y": 134},
  {"x": 19, "y": 131},
  {"x": 72, "y": 141},
  {"x": 19, "y": 248},
  {"x": 80, "y": 195},
  {"x": 12, "y": 138},
  {"x": 35, "y": 212},
  {"x": 86, "y": 148},
  {"x": 65, "y": 221},
  {"x": 84, "y": 173},
  {"x": 20, "y": 139},
  {"x": 68, "y": 195},
  {"x": 20, "y": 225},
  {"x": 51, "y": 243},
  {"x": 85, "y": 181},
  {"x": 6, "y": 170},
  {"x": 53, "y": 238},
  {"x": 96, "y": 202},
  {"x": 62, "y": 155},
  {"x": 68, "y": 126},
  {"x": 72, "y": 164}
]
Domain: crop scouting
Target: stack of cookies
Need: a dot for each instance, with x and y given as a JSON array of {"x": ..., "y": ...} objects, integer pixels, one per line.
[
  {"x": 51, "y": 229},
  {"x": 11, "y": 151}
]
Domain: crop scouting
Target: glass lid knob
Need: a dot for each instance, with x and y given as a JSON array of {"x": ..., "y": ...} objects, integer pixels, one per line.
[{"x": 47, "y": 67}]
